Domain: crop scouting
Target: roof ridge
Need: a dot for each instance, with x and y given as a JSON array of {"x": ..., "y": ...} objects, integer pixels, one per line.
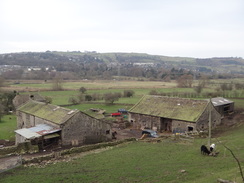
[{"x": 137, "y": 102}]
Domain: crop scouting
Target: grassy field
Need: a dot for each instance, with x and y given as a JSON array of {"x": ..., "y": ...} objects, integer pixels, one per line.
[
  {"x": 139, "y": 87},
  {"x": 145, "y": 162},
  {"x": 7, "y": 127},
  {"x": 101, "y": 84}
]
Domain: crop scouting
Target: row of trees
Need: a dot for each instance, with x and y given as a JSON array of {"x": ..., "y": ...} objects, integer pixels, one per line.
[{"x": 109, "y": 97}]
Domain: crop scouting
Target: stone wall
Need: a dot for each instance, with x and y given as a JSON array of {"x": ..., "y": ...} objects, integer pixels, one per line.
[
  {"x": 21, "y": 148},
  {"x": 74, "y": 150},
  {"x": 182, "y": 126},
  {"x": 84, "y": 129},
  {"x": 203, "y": 121},
  {"x": 144, "y": 121}
]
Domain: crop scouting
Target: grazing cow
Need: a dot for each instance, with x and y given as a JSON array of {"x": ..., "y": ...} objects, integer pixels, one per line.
[
  {"x": 204, "y": 150},
  {"x": 212, "y": 146}
]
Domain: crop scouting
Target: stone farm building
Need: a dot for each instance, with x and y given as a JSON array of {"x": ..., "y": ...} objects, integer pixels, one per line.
[
  {"x": 173, "y": 114},
  {"x": 44, "y": 124},
  {"x": 223, "y": 105},
  {"x": 20, "y": 99}
]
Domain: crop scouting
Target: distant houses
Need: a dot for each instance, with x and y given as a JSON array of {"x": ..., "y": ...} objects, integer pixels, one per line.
[
  {"x": 173, "y": 114},
  {"x": 46, "y": 124}
]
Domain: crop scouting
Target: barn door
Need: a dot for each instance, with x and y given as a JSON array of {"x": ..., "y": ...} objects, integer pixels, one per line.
[{"x": 165, "y": 125}]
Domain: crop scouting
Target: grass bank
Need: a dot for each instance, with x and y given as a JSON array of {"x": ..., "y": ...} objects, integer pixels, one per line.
[
  {"x": 167, "y": 161},
  {"x": 7, "y": 127}
]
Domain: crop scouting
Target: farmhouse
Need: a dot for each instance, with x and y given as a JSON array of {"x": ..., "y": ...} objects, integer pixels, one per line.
[
  {"x": 173, "y": 114},
  {"x": 44, "y": 124},
  {"x": 222, "y": 105}
]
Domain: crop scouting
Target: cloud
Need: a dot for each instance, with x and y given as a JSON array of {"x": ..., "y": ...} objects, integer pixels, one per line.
[{"x": 201, "y": 28}]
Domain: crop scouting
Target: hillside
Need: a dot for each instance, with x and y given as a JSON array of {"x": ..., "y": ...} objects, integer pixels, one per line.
[
  {"x": 90, "y": 64},
  {"x": 167, "y": 160}
]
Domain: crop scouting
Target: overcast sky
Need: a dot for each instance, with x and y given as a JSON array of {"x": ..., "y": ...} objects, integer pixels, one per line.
[{"x": 193, "y": 28}]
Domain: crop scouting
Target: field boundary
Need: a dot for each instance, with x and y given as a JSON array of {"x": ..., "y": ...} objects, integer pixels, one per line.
[{"x": 74, "y": 150}]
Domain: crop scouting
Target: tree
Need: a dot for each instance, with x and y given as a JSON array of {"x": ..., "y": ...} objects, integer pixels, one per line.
[
  {"x": 226, "y": 86},
  {"x": 82, "y": 89},
  {"x": 73, "y": 100},
  {"x": 57, "y": 84},
  {"x": 88, "y": 97},
  {"x": 110, "y": 98},
  {"x": 198, "y": 89},
  {"x": 128, "y": 93},
  {"x": 6, "y": 103},
  {"x": 185, "y": 81}
]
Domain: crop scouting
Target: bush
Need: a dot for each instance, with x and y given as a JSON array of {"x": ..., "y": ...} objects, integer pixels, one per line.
[
  {"x": 153, "y": 92},
  {"x": 128, "y": 93},
  {"x": 73, "y": 100},
  {"x": 82, "y": 89},
  {"x": 96, "y": 96},
  {"x": 88, "y": 98},
  {"x": 110, "y": 98}
]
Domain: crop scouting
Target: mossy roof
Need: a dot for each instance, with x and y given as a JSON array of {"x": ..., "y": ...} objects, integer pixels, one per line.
[
  {"x": 169, "y": 107},
  {"x": 48, "y": 112}
]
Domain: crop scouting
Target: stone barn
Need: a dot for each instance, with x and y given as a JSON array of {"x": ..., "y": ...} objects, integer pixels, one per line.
[
  {"x": 173, "y": 114},
  {"x": 42, "y": 123},
  {"x": 23, "y": 98},
  {"x": 222, "y": 105}
]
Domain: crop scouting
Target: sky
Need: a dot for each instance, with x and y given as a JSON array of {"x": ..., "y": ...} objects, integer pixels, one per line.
[{"x": 186, "y": 28}]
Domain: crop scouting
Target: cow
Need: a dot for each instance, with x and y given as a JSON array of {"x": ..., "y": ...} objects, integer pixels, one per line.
[{"x": 204, "y": 150}]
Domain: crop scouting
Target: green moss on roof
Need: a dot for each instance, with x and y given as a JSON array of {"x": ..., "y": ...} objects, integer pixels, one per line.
[
  {"x": 48, "y": 112},
  {"x": 172, "y": 108}
]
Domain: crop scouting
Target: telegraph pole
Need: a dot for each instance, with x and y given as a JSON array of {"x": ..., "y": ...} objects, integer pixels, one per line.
[{"x": 210, "y": 121}]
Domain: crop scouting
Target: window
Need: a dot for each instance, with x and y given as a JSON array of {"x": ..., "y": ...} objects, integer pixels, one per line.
[{"x": 190, "y": 128}]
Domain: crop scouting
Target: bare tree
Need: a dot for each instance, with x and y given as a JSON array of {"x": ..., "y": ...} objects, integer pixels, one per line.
[
  {"x": 185, "y": 81},
  {"x": 57, "y": 83}
]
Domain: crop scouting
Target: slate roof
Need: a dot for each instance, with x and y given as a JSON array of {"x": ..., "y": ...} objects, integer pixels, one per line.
[
  {"x": 48, "y": 112},
  {"x": 169, "y": 107},
  {"x": 218, "y": 101}
]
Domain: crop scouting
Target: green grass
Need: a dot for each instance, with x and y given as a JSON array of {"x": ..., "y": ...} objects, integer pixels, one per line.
[
  {"x": 7, "y": 127},
  {"x": 239, "y": 104},
  {"x": 144, "y": 162}
]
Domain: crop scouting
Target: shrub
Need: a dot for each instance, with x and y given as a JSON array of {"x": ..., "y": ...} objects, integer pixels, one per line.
[
  {"x": 73, "y": 100},
  {"x": 110, "y": 98},
  {"x": 88, "y": 97},
  {"x": 82, "y": 89},
  {"x": 128, "y": 93}
]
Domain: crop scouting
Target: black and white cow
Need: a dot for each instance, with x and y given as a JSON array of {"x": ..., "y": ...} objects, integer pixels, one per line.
[{"x": 204, "y": 150}]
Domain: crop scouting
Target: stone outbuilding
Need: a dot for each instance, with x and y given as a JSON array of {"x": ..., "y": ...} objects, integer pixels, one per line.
[
  {"x": 223, "y": 106},
  {"x": 20, "y": 99},
  {"x": 45, "y": 123},
  {"x": 173, "y": 114}
]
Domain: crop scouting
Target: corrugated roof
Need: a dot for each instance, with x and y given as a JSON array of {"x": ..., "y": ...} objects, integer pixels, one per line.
[
  {"x": 37, "y": 131},
  {"x": 44, "y": 129},
  {"x": 172, "y": 108},
  {"x": 48, "y": 112},
  {"x": 218, "y": 101},
  {"x": 28, "y": 134}
]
